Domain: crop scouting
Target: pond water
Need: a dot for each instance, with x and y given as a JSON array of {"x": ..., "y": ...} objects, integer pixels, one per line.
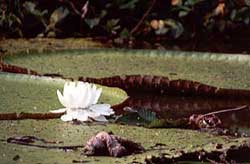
[{"x": 143, "y": 109}]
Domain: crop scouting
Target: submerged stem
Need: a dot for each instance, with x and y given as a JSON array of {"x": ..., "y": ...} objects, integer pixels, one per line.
[
  {"x": 227, "y": 110},
  {"x": 25, "y": 115}
]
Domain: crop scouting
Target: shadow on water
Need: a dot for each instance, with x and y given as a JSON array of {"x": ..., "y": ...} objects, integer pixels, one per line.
[{"x": 145, "y": 108}]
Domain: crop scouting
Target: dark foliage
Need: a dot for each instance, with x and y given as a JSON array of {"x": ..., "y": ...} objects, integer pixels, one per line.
[{"x": 122, "y": 19}]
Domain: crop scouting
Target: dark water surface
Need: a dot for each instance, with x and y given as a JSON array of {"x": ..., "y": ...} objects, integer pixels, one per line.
[{"x": 146, "y": 108}]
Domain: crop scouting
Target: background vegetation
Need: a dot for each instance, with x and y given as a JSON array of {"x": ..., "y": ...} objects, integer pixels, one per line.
[{"x": 185, "y": 23}]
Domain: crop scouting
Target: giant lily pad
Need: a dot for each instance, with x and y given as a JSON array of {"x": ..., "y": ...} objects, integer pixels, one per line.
[
  {"x": 172, "y": 141},
  {"x": 221, "y": 70},
  {"x": 28, "y": 93},
  {"x": 24, "y": 93},
  {"x": 39, "y": 45}
]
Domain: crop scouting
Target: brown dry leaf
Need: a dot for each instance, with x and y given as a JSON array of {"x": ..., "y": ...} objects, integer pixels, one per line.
[
  {"x": 107, "y": 144},
  {"x": 220, "y": 9},
  {"x": 154, "y": 24},
  {"x": 176, "y": 2}
]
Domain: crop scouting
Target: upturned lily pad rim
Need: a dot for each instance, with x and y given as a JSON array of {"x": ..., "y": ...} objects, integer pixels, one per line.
[
  {"x": 22, "y": 93},
  {"x": 197, "y": 66},
  {"x": 202, "y": 55}
]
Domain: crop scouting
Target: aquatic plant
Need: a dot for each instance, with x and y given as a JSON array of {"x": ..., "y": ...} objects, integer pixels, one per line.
[{"x": 79, "y": 100}]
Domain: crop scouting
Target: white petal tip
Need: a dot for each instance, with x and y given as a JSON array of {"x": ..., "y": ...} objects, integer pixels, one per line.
[
  {"x": 82, "y": 115},
  {"x": 58, "y": 110},
  {"x": 100, "y": 119},
  {"x": 66, "y": 118}
]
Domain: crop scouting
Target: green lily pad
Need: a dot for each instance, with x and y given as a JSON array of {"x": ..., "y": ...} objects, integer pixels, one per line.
[
  {"x": 173, "y": 141},
  {"x": 40, "y": 45},
  {"x": 24, "y": 93},
  {"x": 28, "y": 93},
  {"x": 222, "y": 70}
]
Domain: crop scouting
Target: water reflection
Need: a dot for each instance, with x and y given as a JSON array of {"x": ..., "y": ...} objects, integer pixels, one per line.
[{"x": 144, "y": 109}]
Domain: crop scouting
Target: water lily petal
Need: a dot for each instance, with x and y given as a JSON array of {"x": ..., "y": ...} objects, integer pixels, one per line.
[
  {"x": 69, "y": 94},
  {"x": 74, "y": 95},
  {"x": 94, "y": 94},
  {"x": 82, "y": 93},
  {"x": 62, "y": 110},
  {"x": 97, "y": 95},
  {"x": 80, "y": 101},
  {"x": 82, "y": 115},
  {"x": 79, "y": 95},
  {"x": 73, "y": 113},
  {"x": 92, "y": 89},
  {"x": 92, "y": 114},
  {"x": 67, "y": 89},
  {"x": 66, "y": 117},
  {"x": 87, "y": 97},
  {"x": 102, "y": 109},
  {"x": 62, "y": 99},
  {"x": 100, "y": 118}
]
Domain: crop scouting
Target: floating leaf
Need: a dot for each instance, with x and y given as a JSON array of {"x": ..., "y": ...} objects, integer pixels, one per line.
[
  {"x": 162, "y": 85},
  {"x": 220, "y": 70},
  {"x": 29, "y": 93},
  {"x": 139, "y": 116},
  {"x": 217, "y": 69}
]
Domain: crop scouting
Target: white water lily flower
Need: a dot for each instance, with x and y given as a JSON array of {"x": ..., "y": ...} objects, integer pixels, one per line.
[{"x": 79, "y": 100}]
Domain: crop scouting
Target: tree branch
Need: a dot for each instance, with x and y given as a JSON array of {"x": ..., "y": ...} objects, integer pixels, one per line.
[{"x": 143, "y": 18}]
